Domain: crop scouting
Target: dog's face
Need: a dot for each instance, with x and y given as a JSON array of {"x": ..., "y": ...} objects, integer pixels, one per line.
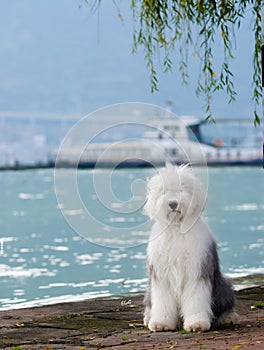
[{"x": 174, "y": 195}]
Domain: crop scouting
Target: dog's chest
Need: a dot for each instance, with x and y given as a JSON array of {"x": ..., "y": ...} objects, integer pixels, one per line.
[{"x": 174, "y": 259}]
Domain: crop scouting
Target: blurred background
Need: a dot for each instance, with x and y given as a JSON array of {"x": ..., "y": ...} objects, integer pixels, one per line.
[{"x": 60, "y": 61}]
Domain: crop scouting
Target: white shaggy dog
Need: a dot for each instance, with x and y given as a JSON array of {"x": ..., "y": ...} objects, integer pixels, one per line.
[{"x": 186, "y": 287}]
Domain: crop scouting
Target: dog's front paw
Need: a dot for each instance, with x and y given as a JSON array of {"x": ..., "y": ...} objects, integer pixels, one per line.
[
  {"x": 196, "y": 326},
  {"x": 156, "y": 326}
]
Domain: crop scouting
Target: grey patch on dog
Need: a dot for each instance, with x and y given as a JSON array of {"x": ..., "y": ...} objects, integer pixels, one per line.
[
  {"x": 152, "y": 275},
  {"x": 222, "y": 292},
  {"x": 147, "y": 298}
]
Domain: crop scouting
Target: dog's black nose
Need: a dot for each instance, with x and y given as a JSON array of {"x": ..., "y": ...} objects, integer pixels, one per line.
[{"x": 173, "y": 204}]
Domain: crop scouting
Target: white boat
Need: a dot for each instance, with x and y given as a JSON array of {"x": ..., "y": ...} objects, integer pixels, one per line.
[{"x": 179, "y": 139}]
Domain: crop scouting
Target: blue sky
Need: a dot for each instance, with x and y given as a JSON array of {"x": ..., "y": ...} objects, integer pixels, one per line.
[{"x": 58, "y": 57}]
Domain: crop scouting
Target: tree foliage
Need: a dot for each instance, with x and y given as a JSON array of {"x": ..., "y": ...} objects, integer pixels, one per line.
[{"x": 167, "y": 28}]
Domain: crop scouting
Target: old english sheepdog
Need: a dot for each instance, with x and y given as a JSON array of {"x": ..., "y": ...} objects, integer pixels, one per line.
[{"x": 186, "y": 287}]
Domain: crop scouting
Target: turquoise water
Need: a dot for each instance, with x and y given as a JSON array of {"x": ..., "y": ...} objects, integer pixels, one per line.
[{"x": 44, "y": 260}]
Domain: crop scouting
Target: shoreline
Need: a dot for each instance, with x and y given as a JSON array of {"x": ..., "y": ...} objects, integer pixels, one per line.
[
  {"x": 116, "y": 323},
  {"x": 124, "y": 165},
  {"x": 239, "y": 283}
]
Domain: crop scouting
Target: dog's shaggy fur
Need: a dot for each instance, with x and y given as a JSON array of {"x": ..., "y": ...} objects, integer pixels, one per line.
[{"x": 186, "y": 288}]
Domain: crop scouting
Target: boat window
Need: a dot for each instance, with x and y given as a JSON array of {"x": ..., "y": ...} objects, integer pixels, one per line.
[
  {"x": 171, "y": 128},
  {"x": 235, "y": 134},
  {"x": 171, "y": 151}
]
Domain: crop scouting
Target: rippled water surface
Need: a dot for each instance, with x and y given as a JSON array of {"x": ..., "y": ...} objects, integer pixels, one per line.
[{"x": 44, "y": 260}]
